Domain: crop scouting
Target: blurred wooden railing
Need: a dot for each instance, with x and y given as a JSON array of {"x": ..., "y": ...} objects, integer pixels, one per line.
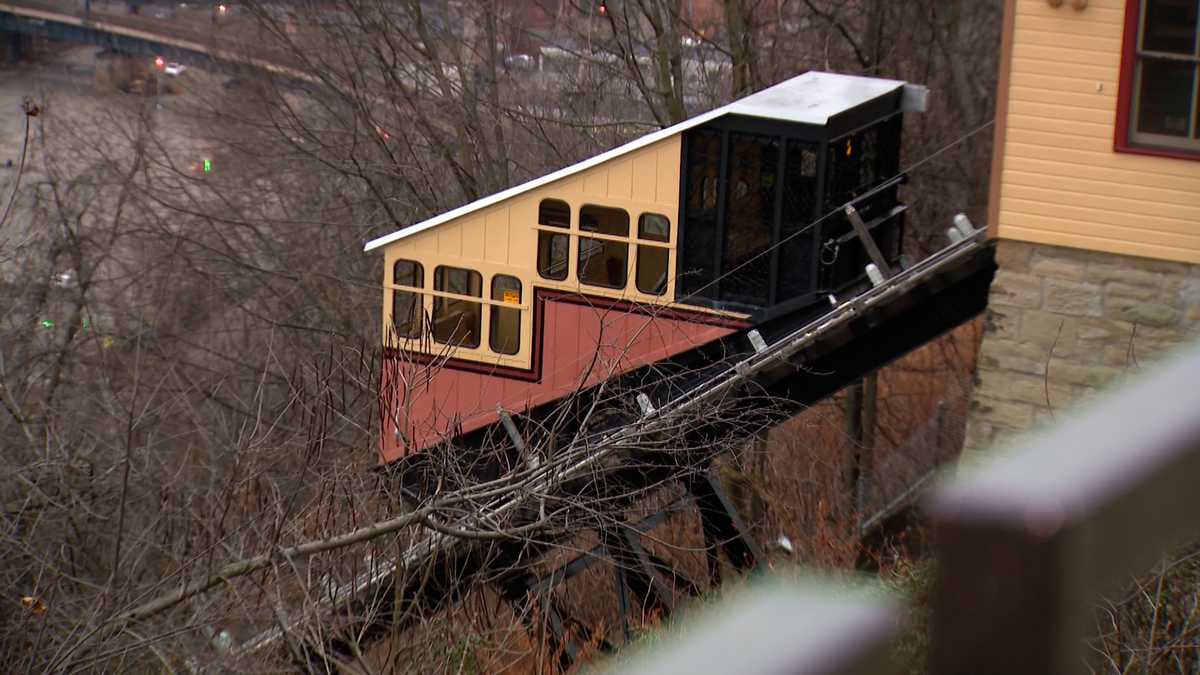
[{"x": 1027, "y": 541}]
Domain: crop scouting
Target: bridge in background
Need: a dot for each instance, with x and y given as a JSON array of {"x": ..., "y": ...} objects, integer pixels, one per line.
[{"x": 173, "y": 38}]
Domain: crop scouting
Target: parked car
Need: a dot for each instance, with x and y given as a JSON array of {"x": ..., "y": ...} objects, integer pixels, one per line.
[
  {"x": 174, "y": 69},
  {"x": 519, "y": 62}
]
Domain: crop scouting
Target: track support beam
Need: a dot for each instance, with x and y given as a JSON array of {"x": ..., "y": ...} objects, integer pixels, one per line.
[
  {"x": 639, "y": 576},
  {"x": 566, "y": 637},
  {"x": 724, "y": 529}
]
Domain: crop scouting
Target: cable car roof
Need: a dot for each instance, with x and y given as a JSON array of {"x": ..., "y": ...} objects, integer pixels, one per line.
[{"x": 811, "y": 98}]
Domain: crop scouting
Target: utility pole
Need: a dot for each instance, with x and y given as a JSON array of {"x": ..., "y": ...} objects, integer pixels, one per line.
[
  {"x": 861, "y": 400},
  {"x": 159, "y": 65}
]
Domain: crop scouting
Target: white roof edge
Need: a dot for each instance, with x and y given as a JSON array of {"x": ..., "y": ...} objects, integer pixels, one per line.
[
  {"x": 565, "y": 172},
  {"x": 740, "y": 107}
]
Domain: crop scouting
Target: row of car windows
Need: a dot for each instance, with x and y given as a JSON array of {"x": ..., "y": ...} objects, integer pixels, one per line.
[
  {"x": 603, "y": 262},
  {"x": 457, "y": 321}
]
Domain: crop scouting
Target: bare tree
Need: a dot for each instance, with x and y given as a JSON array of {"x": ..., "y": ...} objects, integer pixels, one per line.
[{"x": 189, "y": 365}]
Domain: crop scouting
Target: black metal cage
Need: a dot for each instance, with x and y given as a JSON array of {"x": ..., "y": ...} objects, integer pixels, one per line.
[{"x": 762, "y": 221}]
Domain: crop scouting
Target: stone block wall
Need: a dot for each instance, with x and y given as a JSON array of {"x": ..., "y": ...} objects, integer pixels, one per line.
[{"x": 1063, "y": 324}]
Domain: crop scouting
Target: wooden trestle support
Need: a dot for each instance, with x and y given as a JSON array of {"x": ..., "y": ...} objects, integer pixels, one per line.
[{"x": 645, "y": 584}]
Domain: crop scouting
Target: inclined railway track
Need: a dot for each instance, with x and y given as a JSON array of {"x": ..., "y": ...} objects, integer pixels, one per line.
[{"x": 802, "y": 366}]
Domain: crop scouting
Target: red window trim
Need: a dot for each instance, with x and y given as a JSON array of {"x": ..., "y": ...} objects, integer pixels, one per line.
[{"x": 1125, "y": 93}]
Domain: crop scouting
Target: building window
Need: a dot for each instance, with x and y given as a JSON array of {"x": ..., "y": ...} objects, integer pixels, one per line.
[
  {"x": 654, "y": 227},
  {"x": 506, "y": 321},
  {"x": 554, "y": 213},
  {"x": 697, "y": 271},
  {"x": 457, "y": 321},
  {"x": 797, "y": 235},
  {"x": 852, "y": 167},
  {"x": 604, "y": 220},
  {"x": 653, "y": 261},
  {"x": 1160, "y": 90},
  {"x": 652, "y": 269},
  {"x": 406, "y": 305},
  {"x": 553, "y": 248},
  {"x": 749, "y": 218},
  {"x": 603, "y": 262}
]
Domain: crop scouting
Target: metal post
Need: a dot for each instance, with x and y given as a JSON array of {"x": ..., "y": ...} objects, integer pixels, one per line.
[
  {"x": 868, "y": 242},
  {"x": 635, "y": 573},
  {"x": 722, "y": 526},
  {"x": 853, "y": 404},
  {"x": 530, "y": 459},
  {"x": 566, "y": 637},
  {"x": 866, "y": 458}
]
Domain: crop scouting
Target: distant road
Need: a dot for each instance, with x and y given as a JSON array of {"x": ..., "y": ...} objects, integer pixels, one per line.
[{"x": 165, "y": 35}]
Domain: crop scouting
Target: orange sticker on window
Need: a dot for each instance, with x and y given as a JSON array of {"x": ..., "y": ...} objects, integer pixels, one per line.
[{"x": 512, "y": 297}]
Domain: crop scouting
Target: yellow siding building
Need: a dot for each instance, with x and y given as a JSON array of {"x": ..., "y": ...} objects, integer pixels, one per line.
[
  {"x": 1095, "y": 200},
  {"x": 1061, "y": 180}
]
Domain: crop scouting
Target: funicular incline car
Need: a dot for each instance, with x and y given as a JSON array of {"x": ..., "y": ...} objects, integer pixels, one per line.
[{"x": 647, "y": 253}]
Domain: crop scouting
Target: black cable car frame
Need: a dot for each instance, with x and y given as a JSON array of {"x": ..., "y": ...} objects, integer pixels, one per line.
[{"x": 852, "y": 159}]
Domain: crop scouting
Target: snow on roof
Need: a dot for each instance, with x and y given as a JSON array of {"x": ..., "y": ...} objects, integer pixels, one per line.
[{"x": 811, "y": 98}]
